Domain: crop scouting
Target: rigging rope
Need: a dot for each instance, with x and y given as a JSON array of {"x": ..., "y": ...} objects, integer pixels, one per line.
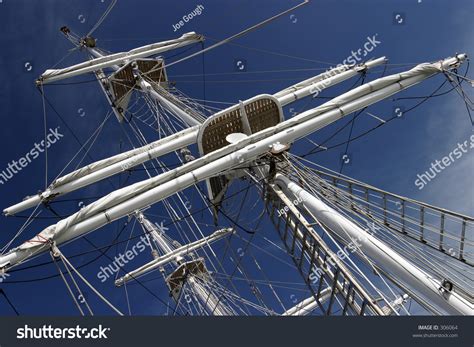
[
  {"x": 233, "y": 37},
  {"x": 102, "y": 18},
  {"x": 2, "y": 291},
  {"x": 64, "y": 259},
  {"x": 45, "y": 124},
  {"x": 73, "y": 297}
]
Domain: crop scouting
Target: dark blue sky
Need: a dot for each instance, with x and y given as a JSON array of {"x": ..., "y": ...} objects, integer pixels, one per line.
[{"x": 323, "y": 31}]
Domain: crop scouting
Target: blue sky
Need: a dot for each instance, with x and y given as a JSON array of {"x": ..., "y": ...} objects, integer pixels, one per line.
[{"x": 324, "y": 31}]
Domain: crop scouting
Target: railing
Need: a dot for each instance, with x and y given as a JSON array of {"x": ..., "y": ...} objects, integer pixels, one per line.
[
  {"x": 448, "y": 232},
  {"x": 317, "y": 264}
]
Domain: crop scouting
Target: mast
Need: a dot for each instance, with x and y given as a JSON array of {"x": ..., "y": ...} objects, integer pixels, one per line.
[
  {"x": 188, "y": 275},
  {"x": 142, "y": 194},
  {"x": 306, "y": 306},
  {"x": 105, "y": 168},
  {"x": 251, "y": 140},
  {"x": 173, "y": 255},
  {"x": 430, "y": 289},
  {"x": 117, "y": 59}
]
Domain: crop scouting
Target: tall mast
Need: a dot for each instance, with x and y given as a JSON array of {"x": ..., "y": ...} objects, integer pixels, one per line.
[
  {"x": 430, "y": 289},
  {"x": 142, "y": 194},
  {"x": 108, "y": 167},
  {"x": 189, "y": 278}
]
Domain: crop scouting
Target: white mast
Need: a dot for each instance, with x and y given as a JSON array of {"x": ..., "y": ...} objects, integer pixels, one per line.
[
  {"x": 306, "y": 306},
  {"x": 116, "y": 59},
  {"x": 430, "y": 289},
  {"x": 184, "y": 116},
  {"x": 105, "y": 168},
  {"x": 188, "y": 276},
  {"x": 126, "y": 200},
  {"x": 172, "y": 254}
]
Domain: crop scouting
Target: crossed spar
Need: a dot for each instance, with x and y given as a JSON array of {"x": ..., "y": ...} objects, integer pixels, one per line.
[{"x": 238, "y": 154}]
